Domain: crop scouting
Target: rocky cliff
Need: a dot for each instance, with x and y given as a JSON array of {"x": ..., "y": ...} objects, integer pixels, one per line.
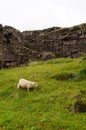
[
  {"x": 57, "y": 42},
  {"x": 20, "y": 47},
  {"x": 12, "y": 51}
]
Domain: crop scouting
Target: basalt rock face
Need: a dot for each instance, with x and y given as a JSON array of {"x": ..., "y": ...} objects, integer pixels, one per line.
[
  {"x": 62, "y": 42},
  {"x": 12, "y": 51},
  {"x": 20, "y": 47}
]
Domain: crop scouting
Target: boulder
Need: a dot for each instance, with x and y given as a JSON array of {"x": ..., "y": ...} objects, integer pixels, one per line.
[{"x": 46, "y": 56}]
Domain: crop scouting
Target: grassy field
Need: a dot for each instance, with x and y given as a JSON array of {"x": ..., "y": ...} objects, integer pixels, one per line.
[{"x": 51, "y": 106}]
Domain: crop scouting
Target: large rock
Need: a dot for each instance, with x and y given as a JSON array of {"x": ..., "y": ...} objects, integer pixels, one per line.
[{"x": 46, "y": 56}]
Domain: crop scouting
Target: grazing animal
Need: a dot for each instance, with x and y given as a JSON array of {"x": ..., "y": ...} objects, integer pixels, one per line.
[{"x": 23, "y": 83}]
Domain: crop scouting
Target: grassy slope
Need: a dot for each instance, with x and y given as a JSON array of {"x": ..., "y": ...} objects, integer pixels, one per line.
[{"x": 44, "y": 108}]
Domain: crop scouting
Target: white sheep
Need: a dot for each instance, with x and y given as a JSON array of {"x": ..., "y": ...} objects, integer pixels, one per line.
[{"x": 23, "y": 83}]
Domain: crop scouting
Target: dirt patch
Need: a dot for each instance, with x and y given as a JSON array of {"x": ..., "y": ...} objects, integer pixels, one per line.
[{"x": 80, "y": 104}]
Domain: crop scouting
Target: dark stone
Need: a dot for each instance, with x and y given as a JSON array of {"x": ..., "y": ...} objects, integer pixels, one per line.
[{"x": 46, "y": 56}]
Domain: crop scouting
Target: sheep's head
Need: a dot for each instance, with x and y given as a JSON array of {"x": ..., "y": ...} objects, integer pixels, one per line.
[{"x": 35, "y": 84}]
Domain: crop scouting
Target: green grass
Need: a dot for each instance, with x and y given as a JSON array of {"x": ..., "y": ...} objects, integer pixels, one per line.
[{"x": 46, "y": 107}]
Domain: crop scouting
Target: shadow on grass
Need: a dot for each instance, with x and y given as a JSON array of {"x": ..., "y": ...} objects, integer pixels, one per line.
[{"x": 66, "y": 76}]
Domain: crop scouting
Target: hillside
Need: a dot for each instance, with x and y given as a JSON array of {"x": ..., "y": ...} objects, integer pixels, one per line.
[
  {"x": 59, "y": 102},
  {"x": 22, "y": 47}
]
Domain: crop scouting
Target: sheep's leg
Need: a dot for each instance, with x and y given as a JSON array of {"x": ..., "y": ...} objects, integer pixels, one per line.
[
  {"x": 28, "y": 89},
  {"x": 18, "y": 86}
]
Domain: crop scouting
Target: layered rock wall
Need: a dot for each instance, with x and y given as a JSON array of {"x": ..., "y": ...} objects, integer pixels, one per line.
[
  {"x": 20, "y": 47},
  {"x": 62, "y": 42},
  {"x": 12, "y": 51}
]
